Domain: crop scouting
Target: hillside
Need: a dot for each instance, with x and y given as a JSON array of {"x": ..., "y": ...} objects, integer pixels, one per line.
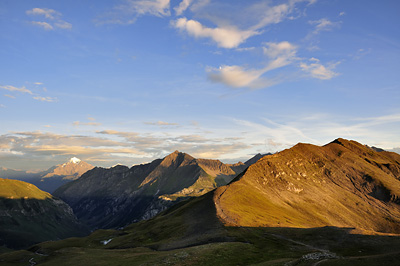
[
  {"x": 115, "y": 197},
  {"x": 29, "y": 215},
  {"x": 343, "y": 184}
]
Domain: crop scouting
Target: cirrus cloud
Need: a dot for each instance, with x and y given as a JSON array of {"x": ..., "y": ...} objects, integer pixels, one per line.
[
  {"x": 12, "y": 88},
  {"x": 52, "y": 16}
]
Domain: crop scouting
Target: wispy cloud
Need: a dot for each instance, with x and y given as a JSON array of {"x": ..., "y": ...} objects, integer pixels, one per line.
[
  {"x": 42, "y": 24},
  {"x": 229, "y": 33},
  {"x": 12, "y": 88},
  {"x": 239, "y": 77},
  {"x": 161, "y": 123},
  {"x": 52, "y": 17},
  {"x": 316, "y": 70},
  {"x": 279, "y": 55},
  {"x": 323, "y": 24},
  {"x": 46, "y": 12},
  {"x": 182, "y": 7},
  {"x": 9, "y": 96},
  {"x": 130, "y": 10},
  {"x": 45, "y": 99},
  {"x": 79, "y": 123}
]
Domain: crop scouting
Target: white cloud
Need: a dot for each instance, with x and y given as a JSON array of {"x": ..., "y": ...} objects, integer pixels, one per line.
[
  {"x": 45, "y": 99},
  {"x": 323, "y": 25},
  {"x": 9, "y": 96},
  {"x": 46, "y": 12},
  {"x": 239, "y": 77},
  {"x": 224, "y": 37},
  {"x": 63, "y": 25},
  {"x": 280, "y": 54},
  {"x": 52, "y": 16},
  {"x": 42, "y": 24},
  {"x": 12, "y": 88},
  {"x": 182, "y": 7},
  {"x": 228, "y": 33},
  {"x": 319, "y": 71}
]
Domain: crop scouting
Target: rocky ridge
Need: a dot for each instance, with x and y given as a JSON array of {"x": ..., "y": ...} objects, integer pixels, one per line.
[{"x": 115, "y": 197}]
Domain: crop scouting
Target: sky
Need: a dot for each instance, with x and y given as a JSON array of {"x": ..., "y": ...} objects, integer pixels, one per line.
[{"x": 129, "y": 81}]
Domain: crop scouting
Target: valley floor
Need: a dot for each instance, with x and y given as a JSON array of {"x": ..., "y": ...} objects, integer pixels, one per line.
[{"x": 242, "y": 246}]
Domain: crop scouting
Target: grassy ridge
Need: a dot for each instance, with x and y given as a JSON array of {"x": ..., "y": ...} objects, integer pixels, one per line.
[{"x": 14, "y": 189}]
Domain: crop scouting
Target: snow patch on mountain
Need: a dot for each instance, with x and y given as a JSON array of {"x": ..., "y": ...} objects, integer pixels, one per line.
[{"x": 74, "y": 160}]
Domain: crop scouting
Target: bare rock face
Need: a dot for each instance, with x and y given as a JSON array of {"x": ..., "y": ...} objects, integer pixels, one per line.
[
  {"x": 29, "y": 215},
  {"x": 70, "y": 170},
  {"x": 115, "y": 197},
  {"x": 342, "y": 184}
]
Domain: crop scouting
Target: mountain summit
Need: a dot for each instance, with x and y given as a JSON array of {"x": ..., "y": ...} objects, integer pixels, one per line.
[
  {"x": 71, "y": 170},
  {"x": 343, "y": 184}
]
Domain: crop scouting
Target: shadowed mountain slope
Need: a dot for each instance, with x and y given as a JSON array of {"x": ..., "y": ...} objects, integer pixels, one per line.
[
  {"x": 343, "y": 184},
  {"x": 115, "y": 197},
  {"x": 29, "y": 215}
]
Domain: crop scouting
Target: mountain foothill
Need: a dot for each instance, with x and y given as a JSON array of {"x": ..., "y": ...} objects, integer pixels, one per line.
[{"x": 337, "y": 204}]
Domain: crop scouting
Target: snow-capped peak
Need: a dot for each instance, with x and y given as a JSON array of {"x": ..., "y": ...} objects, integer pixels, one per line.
[{"x": 74, "y": 160}]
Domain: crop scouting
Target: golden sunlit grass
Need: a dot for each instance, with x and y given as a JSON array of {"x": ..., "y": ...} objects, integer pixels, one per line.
[{"x": 15, "y": 189}]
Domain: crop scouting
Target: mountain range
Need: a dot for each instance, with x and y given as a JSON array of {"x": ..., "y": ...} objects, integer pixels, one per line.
[
  {"x": 118, "y": 196},
  {"x": 336, "y": 204}
]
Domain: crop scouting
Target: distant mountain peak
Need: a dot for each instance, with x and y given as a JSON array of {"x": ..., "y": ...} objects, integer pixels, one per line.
[
  {"x": 74, "y": 160},
  {"x": 72, "y": 169}
]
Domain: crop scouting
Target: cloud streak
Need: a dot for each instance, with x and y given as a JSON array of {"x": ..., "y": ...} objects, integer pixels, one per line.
[
  {"x": 279, "y": 55},
  {"x": 45, "y": 99},
  {"x": 52, "y": 17},
  {"x": 12, "y": 88},
  {"x": 161, "y": 123},
  {"x": 130, "y": 10}
]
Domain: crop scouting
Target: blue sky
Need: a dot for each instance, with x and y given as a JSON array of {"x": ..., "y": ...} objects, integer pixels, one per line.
[{"x": 129, "y": 81}]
